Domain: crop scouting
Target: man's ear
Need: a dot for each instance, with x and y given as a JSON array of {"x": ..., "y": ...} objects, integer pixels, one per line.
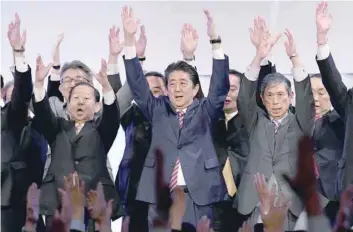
[
  {"x": 291, "y": 96},
  {"x": 98, "y": 106},
  {"x": 196, "y": 90}
]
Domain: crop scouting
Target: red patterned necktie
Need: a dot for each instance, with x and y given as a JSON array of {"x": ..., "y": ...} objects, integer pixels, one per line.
[{"x": 174, "y": 178}]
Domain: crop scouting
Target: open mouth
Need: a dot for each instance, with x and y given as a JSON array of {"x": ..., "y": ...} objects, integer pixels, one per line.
[
  {"x": 178, "y": 97},
  {"x": 227, "y": 101}
]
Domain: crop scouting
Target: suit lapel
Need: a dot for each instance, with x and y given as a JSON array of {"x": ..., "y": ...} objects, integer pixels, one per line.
[
  {"x": 86, "y": 129},
  {"x": 282, "y": 131},
  {"x": 270, "y": 134}
]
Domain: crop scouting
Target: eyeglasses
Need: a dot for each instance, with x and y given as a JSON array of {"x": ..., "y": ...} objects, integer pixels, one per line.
[{"x": 74, "y": 80}]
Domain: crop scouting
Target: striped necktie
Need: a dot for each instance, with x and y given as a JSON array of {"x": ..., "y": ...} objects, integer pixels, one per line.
[
  {"x": 174, "y": 177},
  {"x": 276, "y": 125}
]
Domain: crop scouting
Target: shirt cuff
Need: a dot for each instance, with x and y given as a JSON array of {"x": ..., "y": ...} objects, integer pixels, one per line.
[
  {"x": 109, "y": 97},
  {"x": 252, "y": 74},
  {"x": 323, "y": 52},
  {"x": 218, "y": 54},
  {"x": 54, "y": 77},
  {"x": 318, "y": 223},
  {"x": 78, "y": 225},
  {"x": 39, "y": 94},
  {"x": 21, "y": 64},
  {"x": 113, "y": 69},
  {"x": 130, "y": 52},
  {"x": 299, "y": 74},
  {"x": 13, "y": 68}
]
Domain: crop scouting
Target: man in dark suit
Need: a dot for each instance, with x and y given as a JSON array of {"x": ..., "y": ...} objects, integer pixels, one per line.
[
  {"x": 341, "y": 97},
  {"x": 138, "y": 135},
  {"x": 328, "y": 138},
  {"x": 80, "y": 144},
  {"x": 180, "y": 128},
  {"x": 274, "y": 133},
  {"x": 22, "y": 149}
]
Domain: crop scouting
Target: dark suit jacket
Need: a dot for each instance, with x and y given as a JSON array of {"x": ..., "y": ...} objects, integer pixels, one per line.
[
  {"x": 85, "y": 153},
  {"x": 342, "y": 101},
  {"x": 329, "y": 138},
  {"x": 138, "y": 135},
  {"x": 192, "y": 144},
  {"x": 21, "y": 147},
  {"x": 269, "y": 153}
]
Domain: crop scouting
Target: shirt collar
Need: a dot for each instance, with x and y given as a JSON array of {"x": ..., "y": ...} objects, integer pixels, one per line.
[
  {"x": 279, "y": 120},
  {"x": 228, "y": 117}
]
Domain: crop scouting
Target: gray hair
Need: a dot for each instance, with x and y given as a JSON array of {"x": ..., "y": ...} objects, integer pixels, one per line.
[
  {"x": 275, "y": 78},
  {"x": 76, "y": 64}
]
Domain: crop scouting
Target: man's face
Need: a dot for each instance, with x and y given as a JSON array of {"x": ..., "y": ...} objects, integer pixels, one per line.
[
  {"x": 82, "y": 104},
  {"x": 321, "y": 97},
  {"x": 181, "y": 90},
  {"x": 156, "y": 85},
  {"x": 69, "y": 79},
  {"x": 276, "y": 100},
  {"x": 230, "y": 104},
  {"x": 8, "y": 93}
]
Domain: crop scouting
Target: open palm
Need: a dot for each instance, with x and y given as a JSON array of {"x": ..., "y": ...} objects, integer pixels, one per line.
[{"x": 323, "y": 18}]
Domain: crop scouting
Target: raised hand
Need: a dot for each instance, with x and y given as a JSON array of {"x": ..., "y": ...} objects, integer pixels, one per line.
[
  {"x": 178, "y": 208},
  {"x": 130, "y": 25},
  {"x": 275, "y": 218},
  {"x": 41, "y": 70},
  {"x": 346, "y": 210},
  {"x": 115, "y": 45},
  {"x": 203, "y": 225},
  {"x": 258, "y": 31},
  {"x": 266, "y": 45},
  {"x": 32, "y": 209},
  {"x": 211, "y": 28},
  {"x": 17, "y": 41},
  {"x": 102, "y": 76},
  {"x": 291, "y": 48},
  {"x": 267, "y": 198},
  {"x": 189, "y": 41},
  {"x": 323, "y": 18},
  {"x": 56, "y": 50},
  {"x": 62, "y": 219},
  {"x": 141, "y": 43}
]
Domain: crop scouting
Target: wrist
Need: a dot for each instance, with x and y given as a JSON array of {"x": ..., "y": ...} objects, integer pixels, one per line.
[
  {"x": 129, "y": 40},
  {"x": 106, "y": 88},
  {"x": 39, "y": 84},
  {"x": 176, "y": 223},
  {"x": 312, "y": 202},
  {"x": 78, "y": 214},
  {"x": 188, "y": 56},
  {"x": 113, "y": 59},
  {"x": 322, "y": 38},
  {"x": 214, "y": 37}
]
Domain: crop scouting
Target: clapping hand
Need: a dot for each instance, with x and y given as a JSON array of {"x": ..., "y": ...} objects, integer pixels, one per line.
[
  {"x": 17, "y": 41},
  {"x": 189, "y": 41}
]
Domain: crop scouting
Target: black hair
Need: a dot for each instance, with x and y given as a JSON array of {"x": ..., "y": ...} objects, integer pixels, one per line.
[
  {"x": 236, "y": 73},
  {"x": 275, "y": 78},
  {"x": 155, "y": 74},
  {"x": 187, "y": 68},
  {"x": 96, "y": 92}
]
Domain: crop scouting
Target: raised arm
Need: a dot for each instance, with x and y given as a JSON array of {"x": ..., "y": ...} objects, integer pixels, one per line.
[
  {"x": 304, "y": 99},
  {"x": 134, "y": 73},
  {"x": 247, "y": 99},
  {"x": 331, "y": 77},
  {"x": 45, "y": 121},
  {"x": 54, "y": 78},
  {"x": 110, "y": 120},
  {"x": 17, "y": 112}
]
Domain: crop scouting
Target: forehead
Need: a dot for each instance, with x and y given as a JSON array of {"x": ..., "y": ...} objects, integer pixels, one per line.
[
  {"x": 179, "y": 76},
  {"x": 83, "y": 90},
  {"x": 316, "y": 82},
  {"x": 153, "y": 81},
  {"x": 276, "y": 87},
  {"x": 74, "y": 72},
  {"x": 234, "y": 79}
]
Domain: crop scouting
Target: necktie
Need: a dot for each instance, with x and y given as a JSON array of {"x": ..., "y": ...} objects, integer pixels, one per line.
[
  {"x": 78, "y": 127},
  {"x": 228, "y": 175},
  {"x": 174, "y": 178},
  {"x": 276, "y": 125},
  {"x": 314, "y": 158}
]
